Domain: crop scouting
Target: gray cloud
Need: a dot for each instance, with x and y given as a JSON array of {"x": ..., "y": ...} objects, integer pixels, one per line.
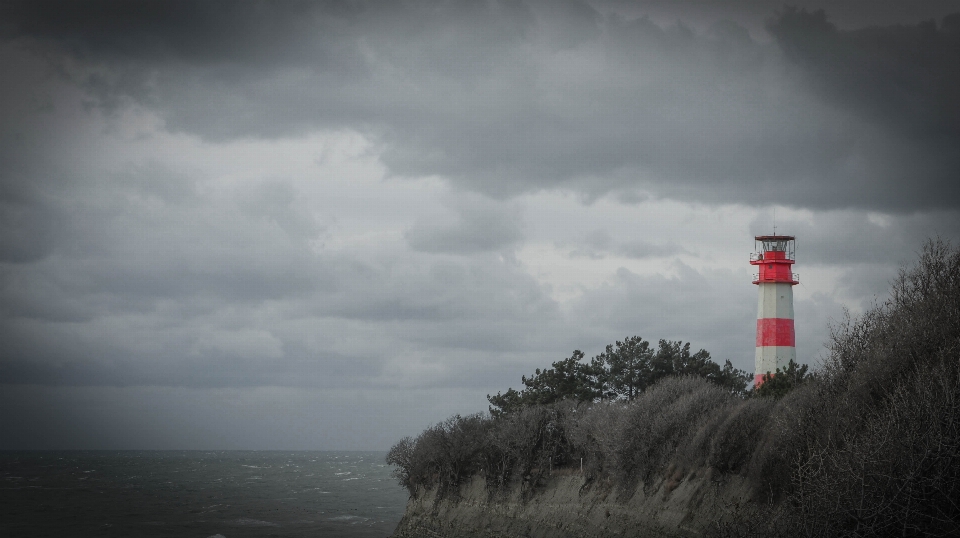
[
  {"x": 238, "y": 322},
  {"x": 903, "y": 75},
  {"x": 480, "y": 225},
  {"x": 508, "y": 97},
  {"x": 374, "y": 208},
  {"x": 28, "y": 232},
  {"x": 672, "y": 307},
  {"x": 646, "y": 249},
  {"x": 599, "y": 244},
  {"x": 842, "y": 238},
  {"x": 156, "y": 279},
  {"x": 595, "y": 244}
]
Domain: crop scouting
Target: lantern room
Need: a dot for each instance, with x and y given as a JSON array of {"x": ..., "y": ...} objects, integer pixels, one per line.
[{"x": 774, "y": 256}]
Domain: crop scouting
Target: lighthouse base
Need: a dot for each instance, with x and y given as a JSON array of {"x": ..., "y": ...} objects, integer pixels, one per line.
[
  {"x": 769, "y": 358},
  {"x": 758, "y": 380}
]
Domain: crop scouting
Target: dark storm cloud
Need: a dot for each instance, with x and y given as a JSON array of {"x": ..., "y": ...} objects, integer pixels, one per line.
[
  {"x": 162, "y": 31},
  {"x": 902, "y": 78},
  {"x": 28, "y": 232},
  {"x": 509, "y": 97},
  {"x": 907, "y": 76}
]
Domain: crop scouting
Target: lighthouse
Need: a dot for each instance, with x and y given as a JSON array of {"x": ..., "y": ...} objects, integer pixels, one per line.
[{"x": 776, "y": 340}]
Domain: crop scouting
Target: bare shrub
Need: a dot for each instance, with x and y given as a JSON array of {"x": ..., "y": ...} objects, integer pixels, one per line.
[
  {"x": 512, "y": 445},
  {"x": 697, "y": 448},
  {"x": 444, "y": 455},
  {"x": 899, "y": 473},
  {"x": 763, "y": 520},
  {"x": 660, "y": 419},
  {"x": 736, "y": 438},
  {"x": 782, "y": 440},
  {"x": 593, "y": 432},
  {"x": 527, "y": 443},
  {"x": 919, "y": 323},
  {"x": 462, "y": 444},
  {"x": 401, "y": 457}
]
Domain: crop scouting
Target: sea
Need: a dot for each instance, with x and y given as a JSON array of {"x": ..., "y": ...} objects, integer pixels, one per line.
[{"x": 222, "y": 494}]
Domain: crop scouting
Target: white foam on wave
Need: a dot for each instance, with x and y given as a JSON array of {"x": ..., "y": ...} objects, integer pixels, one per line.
[{"x": 248, "y": 522}]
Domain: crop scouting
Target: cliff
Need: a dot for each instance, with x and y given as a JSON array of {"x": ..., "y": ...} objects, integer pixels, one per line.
[{"x": 563, "y": 506}]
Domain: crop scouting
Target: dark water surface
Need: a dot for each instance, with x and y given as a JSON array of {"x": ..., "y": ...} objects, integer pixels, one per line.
[{"x": 172, "y": 493}]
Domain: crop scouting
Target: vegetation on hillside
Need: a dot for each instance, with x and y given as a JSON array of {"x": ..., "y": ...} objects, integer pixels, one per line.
[
  {"x": 868, "y": 445},
  {"x": 622, "y": 372}
]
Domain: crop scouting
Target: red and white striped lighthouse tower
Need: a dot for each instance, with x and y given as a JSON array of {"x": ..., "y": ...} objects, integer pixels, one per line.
[{"x": 776, "y": 340}]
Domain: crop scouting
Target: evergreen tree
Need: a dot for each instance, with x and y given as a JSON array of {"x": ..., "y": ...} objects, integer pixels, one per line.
[
  {"x": 625, "y": 370},
  {"x": 783, "y": 381},
  {"x": 569, "y": 378}
]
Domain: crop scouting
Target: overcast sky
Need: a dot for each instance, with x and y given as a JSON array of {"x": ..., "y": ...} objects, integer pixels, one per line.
[{"x": 329, "y": 225}]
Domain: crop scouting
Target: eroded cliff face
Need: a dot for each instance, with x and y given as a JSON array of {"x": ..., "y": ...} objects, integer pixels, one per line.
[{"x": 564, "y": 507}]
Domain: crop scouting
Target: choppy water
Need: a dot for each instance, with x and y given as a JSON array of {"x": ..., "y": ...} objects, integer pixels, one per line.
[{"x": 233, "y": 494}]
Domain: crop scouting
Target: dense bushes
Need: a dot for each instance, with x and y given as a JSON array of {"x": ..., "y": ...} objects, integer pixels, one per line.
[
  {"x": 527, "y": 444},
  {"x": 881, "y": 452},
  {"x": 784, "y": 380},
  {"x": 898, "y": 473},
  {"x": 869, "y": 445},
  {"x": 668, "y": 414},
  {"x": 620, "y": 443},
  {"x": 626, "y": 443},
  {"x": 444, "y": 455}
]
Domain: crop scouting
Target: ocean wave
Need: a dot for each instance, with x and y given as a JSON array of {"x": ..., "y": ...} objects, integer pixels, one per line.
[
  {"x": 248, "y": 522},
  {"x": 347, "y": 518}
]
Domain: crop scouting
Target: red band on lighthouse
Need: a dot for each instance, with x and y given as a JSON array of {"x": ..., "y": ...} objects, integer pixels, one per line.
[{"x": 775, "y": 332}]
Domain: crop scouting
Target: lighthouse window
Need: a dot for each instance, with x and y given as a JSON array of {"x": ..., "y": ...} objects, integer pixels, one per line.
[{"x": 770, "y": 266}]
